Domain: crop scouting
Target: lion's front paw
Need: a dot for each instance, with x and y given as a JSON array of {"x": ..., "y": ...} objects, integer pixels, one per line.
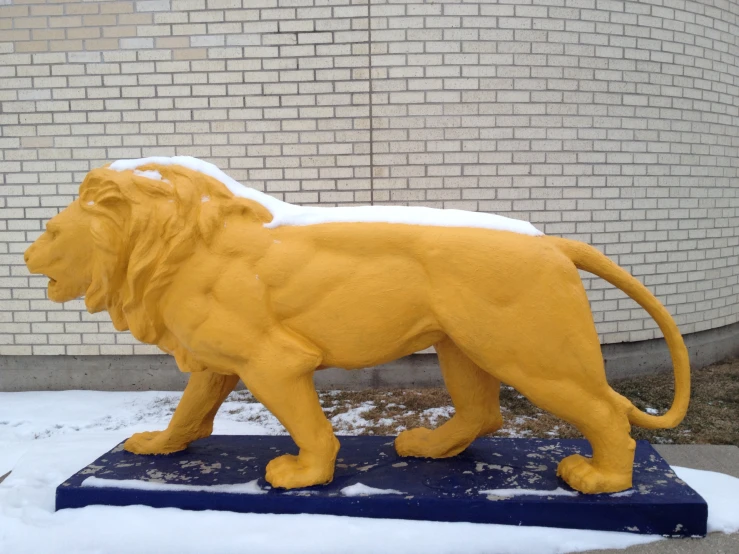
[
  {"x": 415, "y": 442},
  {"x": 579, "y": 473},
  {"x": 292, "y": 472},
  {"x": 154, "y": 442}
]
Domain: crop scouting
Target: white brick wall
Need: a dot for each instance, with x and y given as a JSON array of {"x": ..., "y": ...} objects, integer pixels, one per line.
[{"x": 614, "y": 122}]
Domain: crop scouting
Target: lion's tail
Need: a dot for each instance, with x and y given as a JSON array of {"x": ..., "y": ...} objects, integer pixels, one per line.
[{"x": 589, "y": 259}]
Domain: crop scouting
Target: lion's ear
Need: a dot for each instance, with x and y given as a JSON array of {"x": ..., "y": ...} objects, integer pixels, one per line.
[
  {"x": 213, "y": 214},
  {"x": 101, "y": 186},
  {"x": 92, "y": 186}
]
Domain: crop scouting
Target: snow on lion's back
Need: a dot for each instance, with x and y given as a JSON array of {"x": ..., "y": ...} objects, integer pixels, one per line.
[{"x": 290, "y": 214}]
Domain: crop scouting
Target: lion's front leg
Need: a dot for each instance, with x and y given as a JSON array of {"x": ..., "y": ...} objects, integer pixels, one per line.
[
  {"x": 295, "y": 403},
  {"x": 284, "y": 385},
  {"x": 193, "y": 418}
]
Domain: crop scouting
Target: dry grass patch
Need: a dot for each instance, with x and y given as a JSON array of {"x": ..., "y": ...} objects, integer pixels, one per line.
[{"x": 713, "y": 417}]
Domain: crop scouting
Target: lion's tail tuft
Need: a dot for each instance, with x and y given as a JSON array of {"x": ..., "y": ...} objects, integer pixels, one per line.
[{"x": 589, "y": 259}]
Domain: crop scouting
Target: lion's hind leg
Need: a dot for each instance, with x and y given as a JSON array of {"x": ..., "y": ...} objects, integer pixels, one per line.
[
  {"x": 601, "y": 417},
  {"x": 606, "y": 426},
  {"x": 477, "y": 410}
]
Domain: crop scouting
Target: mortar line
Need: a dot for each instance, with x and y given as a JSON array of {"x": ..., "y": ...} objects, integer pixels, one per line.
[{"x": 371, "y": 121}]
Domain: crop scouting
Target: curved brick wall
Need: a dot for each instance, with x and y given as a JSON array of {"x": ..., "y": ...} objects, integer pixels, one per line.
[{"x": 612, "y": 122}]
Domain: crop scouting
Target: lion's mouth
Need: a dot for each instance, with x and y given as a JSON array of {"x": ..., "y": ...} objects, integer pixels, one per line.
[
  {"x": 52, "y": 288},
  {"x": 62, "y": 292},
  {"x": 56, "y": 292}
]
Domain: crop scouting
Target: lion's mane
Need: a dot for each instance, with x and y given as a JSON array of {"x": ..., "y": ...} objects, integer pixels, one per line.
[{"x": 142, "y": 228}]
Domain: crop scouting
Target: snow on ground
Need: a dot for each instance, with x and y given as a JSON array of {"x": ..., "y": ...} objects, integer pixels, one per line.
[
  {"x": 47, "y": 436},
  {"x": 290, "y": 214},
  {"x": 29, "y": 416},
  {"x": 720, "y": 492},
  {"x": 352, "y": 420},
  {"x": 434, "y": 414}
]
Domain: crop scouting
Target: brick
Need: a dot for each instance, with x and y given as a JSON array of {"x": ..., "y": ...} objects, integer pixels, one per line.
[
  {"x": 136, "y": 43},
  {"x": 81, "y": 9},
  {"x": 99, "y": 20},
  {"x": 117, "y": 7},
  {"x": 32, "y": 46},
  {"x": 153, "y": 5}
]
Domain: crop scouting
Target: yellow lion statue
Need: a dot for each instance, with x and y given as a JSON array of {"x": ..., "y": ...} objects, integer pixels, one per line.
[{"x": 238, "y": 285}]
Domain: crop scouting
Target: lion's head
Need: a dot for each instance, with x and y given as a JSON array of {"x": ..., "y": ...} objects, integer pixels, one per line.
[
  {"x": 120, "y": 242},
  {"x": 62, "y": 253}
]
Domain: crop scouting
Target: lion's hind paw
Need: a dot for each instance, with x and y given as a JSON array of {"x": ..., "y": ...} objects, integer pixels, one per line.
[{"x": 580, "y": 473}]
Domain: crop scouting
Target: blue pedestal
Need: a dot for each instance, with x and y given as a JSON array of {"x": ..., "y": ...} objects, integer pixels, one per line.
[{"x": 436, "y": 490}]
